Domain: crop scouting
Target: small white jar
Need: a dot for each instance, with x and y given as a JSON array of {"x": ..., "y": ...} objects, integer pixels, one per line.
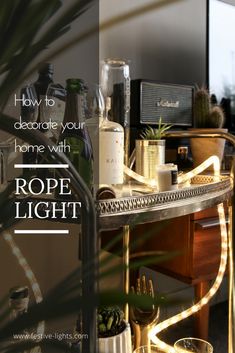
[{"x": 167, "y": 177}]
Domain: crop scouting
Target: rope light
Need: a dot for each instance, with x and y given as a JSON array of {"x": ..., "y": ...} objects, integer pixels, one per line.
[
  {"x": 140, "y": 178},
  {"x": 176, "y": 318},
  {"x": 28, "y": 273},
  {"x": 199, "y": 169},
  {"x": 181, "y": 178},
  {"x": 222, "y": 267}
]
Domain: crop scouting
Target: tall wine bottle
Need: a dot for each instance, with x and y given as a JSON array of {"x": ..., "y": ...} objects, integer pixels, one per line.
[
  {"x": 29, "y": 113},
  {"x": 74, "y": 132},
  {"x": 45, "y": 78}
]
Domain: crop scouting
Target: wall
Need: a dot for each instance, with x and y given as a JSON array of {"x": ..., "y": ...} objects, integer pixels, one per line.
[{"x": 168, "y": 44}]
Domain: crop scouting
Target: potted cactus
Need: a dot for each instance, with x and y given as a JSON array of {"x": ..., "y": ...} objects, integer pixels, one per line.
[
  {"x": 113, "y": 331},
  {"x": 150, "y": 149},
  {"x": 207, "y": 118}
]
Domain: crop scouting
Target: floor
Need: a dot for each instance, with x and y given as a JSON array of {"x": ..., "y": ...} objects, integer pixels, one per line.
[{"x": 217, "y": 330}]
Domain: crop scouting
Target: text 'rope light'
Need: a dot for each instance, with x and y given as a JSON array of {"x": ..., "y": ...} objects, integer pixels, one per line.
[{"x": 222, "y": 267}]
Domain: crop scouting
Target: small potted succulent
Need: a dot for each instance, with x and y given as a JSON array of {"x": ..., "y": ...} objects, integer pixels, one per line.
[
  {"x": 207, "y": 118},
  {"x": 150, "y": 150},
  {"x": 113, "y": 331}
]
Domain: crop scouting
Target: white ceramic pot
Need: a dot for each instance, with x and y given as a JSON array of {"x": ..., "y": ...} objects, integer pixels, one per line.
[{"x": 117, "y": 344}]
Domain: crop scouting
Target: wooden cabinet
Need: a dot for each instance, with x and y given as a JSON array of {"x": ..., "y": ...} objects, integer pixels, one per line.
[{"x": 192, "y": 242}]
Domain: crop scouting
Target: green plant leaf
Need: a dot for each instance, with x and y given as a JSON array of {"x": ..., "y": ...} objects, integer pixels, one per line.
[
  {"x": 21, "y": 47},
  {"x": 21, "y": 30}
]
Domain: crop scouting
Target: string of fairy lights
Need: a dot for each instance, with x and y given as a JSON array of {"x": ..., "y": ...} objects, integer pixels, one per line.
[{"x": 196, "y": 307}]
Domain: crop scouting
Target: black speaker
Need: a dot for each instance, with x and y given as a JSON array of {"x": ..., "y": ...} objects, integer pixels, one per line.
[{"x": 151, "y": 100}]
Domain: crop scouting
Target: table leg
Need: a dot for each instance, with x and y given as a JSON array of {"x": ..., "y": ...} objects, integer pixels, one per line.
[
  {"x": 202, "y": 317},
  {"x": 231, "y": 318},
  {"x": 126, "y": 260}
]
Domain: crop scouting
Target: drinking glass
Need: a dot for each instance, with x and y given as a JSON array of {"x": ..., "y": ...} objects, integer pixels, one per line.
[
  {"x": 147, "y": 349},
  {"x": 192, "y": 345},
  {"x": 115, "y": 83}
]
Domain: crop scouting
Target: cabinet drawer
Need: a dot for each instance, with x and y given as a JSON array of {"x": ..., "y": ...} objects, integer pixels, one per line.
[
  {"x": 196, "y": 245},
  {"x": 205, "y": 252}
]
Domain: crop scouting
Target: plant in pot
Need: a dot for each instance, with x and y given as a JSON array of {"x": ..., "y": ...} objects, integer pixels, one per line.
[
  {"x": 113, "y": 331},
  {"x": 208, "y": 118},
  {"x": 150, "y": 150}
]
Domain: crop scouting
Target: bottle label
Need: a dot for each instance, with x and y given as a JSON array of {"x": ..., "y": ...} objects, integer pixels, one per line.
[{"x": 111, "y": 157}]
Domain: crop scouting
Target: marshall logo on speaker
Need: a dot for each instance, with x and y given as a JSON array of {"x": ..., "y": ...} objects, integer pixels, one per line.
[
  {"x": 151, "y": 100},
  {"x": 167, "y": 104}
]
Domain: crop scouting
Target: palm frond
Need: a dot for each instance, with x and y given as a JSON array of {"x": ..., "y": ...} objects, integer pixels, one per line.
[
  {"x": 52, "y": 308},
  {"x": 23, "y": 41},
  {"x": 21, "y": 30}
]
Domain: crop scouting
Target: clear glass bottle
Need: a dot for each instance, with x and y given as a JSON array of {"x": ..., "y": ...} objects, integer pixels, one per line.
[
  {"x": 111, "y": 150},
  {"x": 115, "y": 83}
]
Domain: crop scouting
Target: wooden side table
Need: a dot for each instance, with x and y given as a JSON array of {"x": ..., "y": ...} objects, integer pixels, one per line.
[
  {"x": 195, "y": 239},
  {"x": 180, "y": 231}
]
